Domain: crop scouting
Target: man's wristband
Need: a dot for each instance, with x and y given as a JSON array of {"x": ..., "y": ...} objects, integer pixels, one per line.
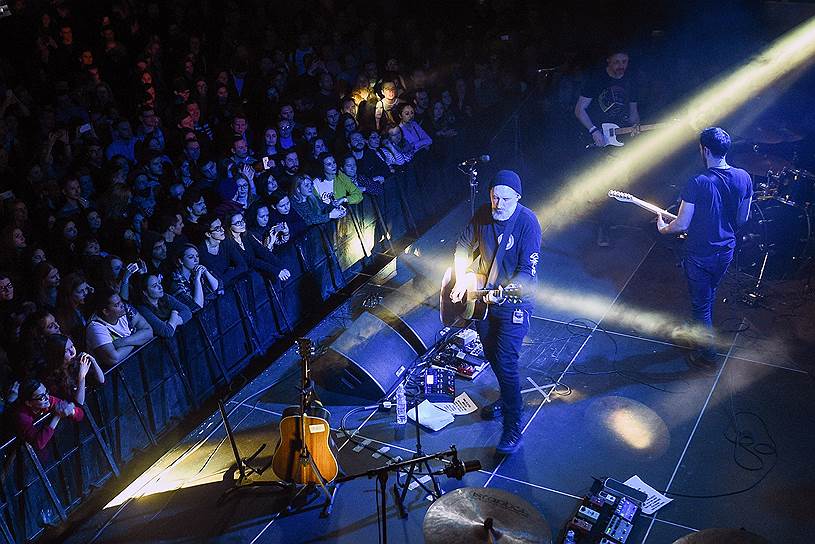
[{"x": 593, "y": 129}]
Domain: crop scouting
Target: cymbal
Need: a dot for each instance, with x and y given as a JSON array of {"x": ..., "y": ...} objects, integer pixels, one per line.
[
  {"x": 771, "y": 135},
  {"x": 756, "y": 163},
  {"x": 722, "y": 536},
  {"x": 464, "y": 515}
]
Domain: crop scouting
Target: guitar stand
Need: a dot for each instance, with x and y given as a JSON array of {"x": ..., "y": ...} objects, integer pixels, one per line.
[
  {"x": 292, "y": 488},
  {"x": 243, "y": 465}
]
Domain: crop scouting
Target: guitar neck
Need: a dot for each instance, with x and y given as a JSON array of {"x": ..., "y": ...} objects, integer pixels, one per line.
[
  {"x": 643, "y": 128},
  {"x": 652, "y": 208}
]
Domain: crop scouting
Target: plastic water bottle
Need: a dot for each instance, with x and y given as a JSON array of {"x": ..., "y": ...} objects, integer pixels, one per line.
[
  {"x": 569, "y": 538},
  {"x": 401, "y": 405}
]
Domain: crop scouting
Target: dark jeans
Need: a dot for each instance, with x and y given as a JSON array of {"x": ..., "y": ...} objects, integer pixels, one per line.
[
  {"x": 704, "y": 273},
  {"x": 502, "y": 340}
]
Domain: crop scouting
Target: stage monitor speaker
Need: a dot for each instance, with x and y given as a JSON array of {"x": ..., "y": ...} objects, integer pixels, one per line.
[
  {"x": 366, "y": 360},
  {"x": 416, "y": 319}
]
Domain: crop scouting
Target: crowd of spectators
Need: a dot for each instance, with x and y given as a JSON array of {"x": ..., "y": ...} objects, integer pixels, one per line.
[{"x": 147, "y": 161}]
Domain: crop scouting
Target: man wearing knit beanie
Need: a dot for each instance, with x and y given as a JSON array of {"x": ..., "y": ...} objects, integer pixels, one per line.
[{"x": 503, "y": 222}]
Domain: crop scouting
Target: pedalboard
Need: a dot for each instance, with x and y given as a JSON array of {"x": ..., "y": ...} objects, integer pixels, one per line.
[
  {"x": 607, "y": 514},
  {"x": 464, "y": 355},
  {"x": 439, "y": 385}
]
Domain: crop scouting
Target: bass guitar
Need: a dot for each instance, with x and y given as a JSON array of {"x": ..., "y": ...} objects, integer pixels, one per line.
[
  {"x": 472, "y": 306},
  {"x": 653, "y": 208},
  {"x": 303, "y": 454}
]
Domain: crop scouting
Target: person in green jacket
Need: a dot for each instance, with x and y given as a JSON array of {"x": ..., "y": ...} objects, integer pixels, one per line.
[{"x": 334, "y": 187}]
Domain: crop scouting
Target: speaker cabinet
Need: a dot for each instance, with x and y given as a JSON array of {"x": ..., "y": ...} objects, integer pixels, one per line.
[{"x": 366, "y": 360}]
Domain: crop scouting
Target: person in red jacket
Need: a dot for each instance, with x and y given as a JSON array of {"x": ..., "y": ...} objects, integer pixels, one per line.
[{"x": 34, "y": 402}]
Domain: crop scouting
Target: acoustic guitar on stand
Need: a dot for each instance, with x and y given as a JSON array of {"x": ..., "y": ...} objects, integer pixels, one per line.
[
  {"x": 304, "y": 451},
  {"x": 631, "y": 199}
]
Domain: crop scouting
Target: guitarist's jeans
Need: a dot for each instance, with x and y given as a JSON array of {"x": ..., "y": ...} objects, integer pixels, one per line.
[
  {"x": 502, "y": 340},
  {"x": 703, "y": 275}
]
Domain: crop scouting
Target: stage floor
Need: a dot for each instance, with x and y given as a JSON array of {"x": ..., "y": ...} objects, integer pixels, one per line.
[{"x": 603, "y": 396}]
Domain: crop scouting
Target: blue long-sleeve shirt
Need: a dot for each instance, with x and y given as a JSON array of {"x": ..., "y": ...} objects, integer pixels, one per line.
[{"x": 520, "y": 261}]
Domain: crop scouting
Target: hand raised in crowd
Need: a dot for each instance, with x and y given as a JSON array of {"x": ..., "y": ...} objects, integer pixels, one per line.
[
  {"x": 284, "y": 275},
  {"x": 65, "y": 409},
  {"x": 13, "y": 392},
  {"x": 131, "y": 269},
  {"x": 85, "y": 362}
]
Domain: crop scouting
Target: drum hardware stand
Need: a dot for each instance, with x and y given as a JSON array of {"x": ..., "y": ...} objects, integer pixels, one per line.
[{"x": 753, "y": 297}]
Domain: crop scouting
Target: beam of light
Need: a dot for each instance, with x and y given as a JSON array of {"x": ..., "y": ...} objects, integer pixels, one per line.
[
  {"x": 627, "y": 421},
  {"x": 581, "y": 303},
  {"x": 788, "y": 56},
  {"x": 644, "y": 321}
]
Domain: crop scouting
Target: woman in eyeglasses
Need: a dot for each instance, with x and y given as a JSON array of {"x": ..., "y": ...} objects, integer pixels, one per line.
[
  {"x": 223, "y": 260},
  {"x": 35, "y": 402},
  {"x": 258, "y": 256}
]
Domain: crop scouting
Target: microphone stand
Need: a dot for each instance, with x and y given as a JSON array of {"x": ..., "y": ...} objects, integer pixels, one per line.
[
  {"x": 381, "y": 475},
  {"x": 472, "y": 173}
]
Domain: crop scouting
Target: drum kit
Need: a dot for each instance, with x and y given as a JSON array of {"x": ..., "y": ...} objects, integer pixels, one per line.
[{"x": 775, "y": 240}]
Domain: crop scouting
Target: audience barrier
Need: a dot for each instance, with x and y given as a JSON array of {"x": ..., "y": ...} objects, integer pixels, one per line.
[{"x": 146, "y": 395}]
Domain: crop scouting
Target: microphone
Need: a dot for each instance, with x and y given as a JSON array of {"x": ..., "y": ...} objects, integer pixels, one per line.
[
  {"x": 475, "y": 160},
  {"x": 459, "y": 468}
]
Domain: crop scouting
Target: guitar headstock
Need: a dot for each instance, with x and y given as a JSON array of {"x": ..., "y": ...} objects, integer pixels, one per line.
[
  {"x": 306, "y": 348},
  {"x": 621, "y": 196},
  {"x": 513, "y": 293}
]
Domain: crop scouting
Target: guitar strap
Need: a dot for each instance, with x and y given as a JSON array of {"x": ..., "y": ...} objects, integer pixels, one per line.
[{"x": 502, "y": 246}]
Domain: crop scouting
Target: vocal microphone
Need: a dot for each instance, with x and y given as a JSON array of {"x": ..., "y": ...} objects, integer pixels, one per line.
[
  {"x": 475, "y": 160},
  {"x": 459, "y": 468}
]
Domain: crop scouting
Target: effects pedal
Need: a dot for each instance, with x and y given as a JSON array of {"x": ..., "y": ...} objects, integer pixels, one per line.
[
  {"x": 588, "y": 514},
  {"x": 439, "y": 385}
]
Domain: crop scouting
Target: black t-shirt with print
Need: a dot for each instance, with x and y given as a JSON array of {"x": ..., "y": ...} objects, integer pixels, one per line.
[{"x": 610, "y": 97}]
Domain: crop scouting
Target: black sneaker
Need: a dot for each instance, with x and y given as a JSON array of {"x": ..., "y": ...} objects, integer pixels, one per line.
[
  {"x": 493, "y": 410},
  {"x": 511, "y": 440}
]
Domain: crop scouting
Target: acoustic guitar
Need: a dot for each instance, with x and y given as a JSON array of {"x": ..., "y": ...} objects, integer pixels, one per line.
[
  {"x": 472, "y": 306},
  {"x": 305, "y": 434}
]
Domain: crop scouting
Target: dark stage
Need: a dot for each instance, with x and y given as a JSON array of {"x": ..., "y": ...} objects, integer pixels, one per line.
[{"x": 626, "y": 402}]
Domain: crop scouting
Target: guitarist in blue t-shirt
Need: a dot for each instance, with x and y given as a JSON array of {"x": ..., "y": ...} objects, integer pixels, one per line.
[{"x": 714, "y": 205}]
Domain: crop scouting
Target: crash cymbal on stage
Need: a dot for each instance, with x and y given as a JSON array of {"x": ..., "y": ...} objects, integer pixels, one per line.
[
  {"x": 722, "y": 536},
  {"x": 469, "y": 514},
  {"x": 756, "y": 163},
  {"x": 771, "y": 135}
]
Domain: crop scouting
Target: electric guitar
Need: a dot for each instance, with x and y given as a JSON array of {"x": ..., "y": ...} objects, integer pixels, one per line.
[
  {"x": 303, "y": 454},
  {"x": 653, "y": 208},
  {"x": 472, "y": 306},
  {"x": 611, "y": 131}
]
